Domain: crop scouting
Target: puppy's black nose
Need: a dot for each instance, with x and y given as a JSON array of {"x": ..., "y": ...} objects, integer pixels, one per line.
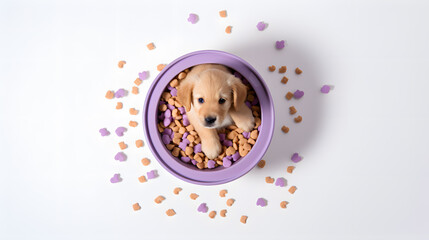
[{"x": 210, "y": 120}]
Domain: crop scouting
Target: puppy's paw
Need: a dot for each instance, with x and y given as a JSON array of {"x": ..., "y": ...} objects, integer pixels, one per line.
[
  {"x": 211, "y": 148},
  {"x": 247, "y": 125}
]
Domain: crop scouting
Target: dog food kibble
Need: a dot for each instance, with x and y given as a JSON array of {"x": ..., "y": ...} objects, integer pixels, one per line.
[
  {"x": 285, "y": 129},
  {"x": 298, "y": 94},
  {"x": 143, "y": 75},
  {"x": 223, "y": 192},
  {"x": 160, "y": 67},
  {"x": 142, "y": 179},
  {"x": 203, "y": 208},
  {"x": 120, "y": 131},
  {"x": 325, "y": 89},
  {"x": 133, "y": 111},
  {"x": 120, "y": 156},
  {"x": 110, "y": 94},
  {"x": 138, "y": 81},
  {"x": 289, "y": 95},
  {"x": 261, "y": 26},
  {"x": 159, "y": 199},
  {"x": 284, "y": 80},
  {"x": 152, "y": 174},
  {"x": 145, "y": 161},
  {"x": 261, "y": 164},
  {"x": 222, "y": 213},
  {"x": 269, "y": 179},
  {"x": 170, "y": 212},
  {"x": 193, "y": 18},
  {"x": 280, "y": 44},
  {"x": 150, "y": 46},
  {"x": 136, "y": 206},
  {"x": 243, "y": 219},
  {"x": 298, "y": 71},
  {"x": 292, "y": 189},
  {"x": 222, "y": 13},
  {"x": 283, "y": 204},
  {"x": 228, "y": 29},
  {"x": 193, "y": 196},
  {"x": 282, "y": 69},
  {"x": 135, "y": 90},
  {"x": 261, "y": 202},
  {"x": 139, "y": 143},
  {"x": 116, "y": 178},
  {"x": 296, "y": 158},
  {"x": 121, "y": 64},
  {"x": 280, "y": 182},
  {"x": 122, "y": 145},
  {"x": 177, "y": 190},
  {"x": 290, "y": 169},
  {"x": 120, "y": 93},
  {"x": 292, "y": 110},
  {"x": 119, "y": 105},
  {"x": 133, "y": 124},
  {"x": 229, "y": 202},
  {"x": 272, "y": 68},
  {"x": 298, "y": 119},
  {"x": 104, "y": 132},
  {"x": 212, "y": 214}
]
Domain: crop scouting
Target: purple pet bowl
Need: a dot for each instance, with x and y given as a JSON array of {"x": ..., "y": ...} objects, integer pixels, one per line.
[{"x": 186, "y": 171}]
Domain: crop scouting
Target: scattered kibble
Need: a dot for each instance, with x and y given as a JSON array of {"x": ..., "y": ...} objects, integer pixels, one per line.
[
  {"x": 133, "y": 111},
  {"x": 212, "y": 214},
  {"x": 223, "y": 192},
  {"x": 193, "y": 196},
  {"x": 285, "y": 129},
  {"x": 292, "y": 189},
  {"x": 104, "y": 132},
  {"x": 261, "y": 26},
  {"x": 135, "y": 90},
  {"x": 143, "y": 76},
  {"x": 228, "y": 29},
  {"x": 223, "y": 213},
  {"x": 121, "y": 64},
  {"x": 298, "y": 71},
  {"x": 139, "y": 143},
  {"x": 116, "y": 178},
  {"x": 289, "y": 95},
  {"x": 133, "y": 124},
  {"x": 272, "y": 68},
  {"x": 120, "y": 93},
  {"x": 145, "y": 161},
  {"x": 281, "y": 182},
  {"x": 142, "y": 179},
  {"x": 110, "y": 94},
  {"x": 290, "y": 169},
  {"x": 292, "y": 110},
  {"x": 122, "y": 145},
  {"x": 222, "y": 13},
  {"x": 152, "y": 174},
  {"x": 203, "y": 208},
  {"x": 261, "y": 164},
  {"x": 280, "y": 44},
  {"x": 136, "y": 206},
  {"x": 120, "y": 131},
  {"x": 120, "y": 156},
  {"x": 298, "y": 119},
  {"x": 298, "y": 94},
  {"x": 284, "y": 80},
  {"x": 170, "y": 212},
  {"x": 160, "y": 67},
  {"x": 243, "y": 219},
  {"x": 230, "y": 202},
  {"x": 193, "y": 18},
  {"x": 282, "y": 69},
  {"x": 138, "y": 81},
  {"x": 150, "y": 46},
  {"x": 159, "y": 199},
  {"x": 261, "y": 202},
  {"x": 177, "y": 190},
  {"x": 284, "y": 204},
  {"x": 325, "y": 89},
  {"x": 119, "y": 105},
  {"x": 269, "y": 179},
  {"x": 296, "y": 158}
]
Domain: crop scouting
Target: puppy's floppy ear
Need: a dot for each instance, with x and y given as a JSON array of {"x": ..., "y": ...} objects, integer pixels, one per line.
[
  {"x": 239, "y": 92},
  {"x": 184, "y": 93}
]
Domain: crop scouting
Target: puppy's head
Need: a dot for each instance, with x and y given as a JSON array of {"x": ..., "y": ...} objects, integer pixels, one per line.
[{"x": 212, "y": 95}]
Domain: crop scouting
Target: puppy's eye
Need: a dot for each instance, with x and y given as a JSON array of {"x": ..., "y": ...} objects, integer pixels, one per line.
[
  {"x": 200, "y": 100},
  {"x": 222, "y": 100}
]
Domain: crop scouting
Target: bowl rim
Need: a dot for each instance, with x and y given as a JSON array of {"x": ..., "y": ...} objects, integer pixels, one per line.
[{"x": 185, "y": 171}]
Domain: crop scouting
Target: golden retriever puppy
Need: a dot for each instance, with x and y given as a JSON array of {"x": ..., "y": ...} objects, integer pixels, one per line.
[{"x": 214, "y": 98}]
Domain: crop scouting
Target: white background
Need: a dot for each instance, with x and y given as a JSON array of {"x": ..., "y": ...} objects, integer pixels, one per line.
[{"x": 365, "y": 144}]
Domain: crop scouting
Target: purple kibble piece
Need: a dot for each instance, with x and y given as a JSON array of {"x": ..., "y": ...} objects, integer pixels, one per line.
[
  {"x": 203, "y": 208},
  {"x": 193, "y": 18},
  {"x": 226, "y": 162},
  {"x": 296, "y": 158},
  {"x": 167, "y": 131},
  {"x": 194, "y": 162},
  {"x": 104, "y": 132},
  {"x": 170, "y": 87},
  {"x": 185, "y": 120},
  {"x": 166, "y": 139},
  {"x": 144, "y": 75},
  {"x": 236, "y": 156},
  {"x": 170, "y": 107},
  {"x": 261, "y": 26},
  {"x": 183, "y": 144},
  {"x": 298, "y": 94},
  {"x": 173, "y": 92},
  {"x": 152, "y": 174},
  {"x": 281, "y": 182},
  {"x": 261, "y": 202},
  {"x": 185, "y": 135},
  {"x": 246, "y": 135},
  {"x": 211, "y": 164},
  {"x": 120, "y": 156},
  {"x": 185, "y": 159},
  {"x": 227, "y": 143},
  {"x": 167, "y": 113},
  {"x": 229, "y": 157},
  {"x": 167, "y": 121},
  {"x": 248, "y": 104},
  {"x": 120, "y": 93},
  {"x": 182, "y": 110},
  {"x": 197, "y": 148},
  {"x": 222, "y": 136},
  {"x": 325, "y": 89},
  {"x": 116, "y": 178},
  {"x": 280, "y": 44},
  {"x": 120, "y": 131}
]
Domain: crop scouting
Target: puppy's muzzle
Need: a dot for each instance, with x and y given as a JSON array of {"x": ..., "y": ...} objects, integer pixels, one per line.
[{"x": 209, "y": 121}]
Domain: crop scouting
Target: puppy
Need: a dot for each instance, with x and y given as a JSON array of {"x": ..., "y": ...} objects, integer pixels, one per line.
[{"x": 214, "y": 98}]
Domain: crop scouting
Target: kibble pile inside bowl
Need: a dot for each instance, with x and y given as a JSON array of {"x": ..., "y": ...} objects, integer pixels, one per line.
[{"x": 182, "y": 140}]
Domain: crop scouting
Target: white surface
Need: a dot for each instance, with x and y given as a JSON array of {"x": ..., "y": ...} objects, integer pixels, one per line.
[{"x": 365, "y": 144}]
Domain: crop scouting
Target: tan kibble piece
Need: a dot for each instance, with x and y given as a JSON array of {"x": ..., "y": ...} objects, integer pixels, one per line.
[
  {"x": 182, "y": 130},
  {"x": 176, "y": 141},
  {"x": 175, "y": 151},
  {"x": 145, "y": 161},
  {"x": 251, "y": 141},
  {"x": 228, "y": 29},
  {"x": 135, "y": 90},
  {"x": 298, "y": 119},
  {"x": 247, "y": 147},
  {"x": 282, "y": 69},
  {"x": 159, "y": 199},
  {"x": 269, "y": 179},
  {"x": 230, "y": 151},
  {"x": 289, "y": 95},
  {"x": 243, "y": 152},
  {"x": 284, "y": 204},
  {"x": 170, "y": 146},
  {"x": 261, "y": 164},
  {"x": 133, "y": 124},
  {"x": 177, "y": 190},
  {"x": 292, "y": 189},
  {"x": 201, "y": 165},
  {"x": 190, "y": 128},
  {"x": 170, "y": 212},
  {"x": 290, "y": 169},
  {"x": 160, "y": 67},
  {"x": 122, "y": 145},
  {"x": 229, "y": 202},
  {"x": 166, "y": 95},
  {"x": 121, "y": 64},
  {"x": 139, "y": 143},
  {"x": 110, "y": 94},
  {"x": 223, "y": 192},
  {"x": 119, "y": 105},
  {"x": 138, "y": 81},
  {"x": 142, "y": 179},
  {"x": 222, "y": 13},
  {"x": 292, "y": 110},
  {"x": 284, "y": 80},
  {"x": 150, "y": 46},
  {"x": 298, "y": 71},
  {"x": 170, "y": 101},
  {"x": 272, "y": 68},
  {"x": 133, "y": 111},
  {"x": 162, "y": 107},
  {"x": 181, "y": 76},
  {"x": 191, "y": 138},
  {"x": 212, "y": 214},
  {"x": 174, "y": 83},
  {"x": 193, "y": 196},
  {"x": 254, "y": 134},
  {"x": 189, "y": 150},
  {"x": 285, "y": 129},
  {"x": 136, "y": 206},
  {"x": 222, "y": 213},
  {"x": 243, "y": 219}
]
